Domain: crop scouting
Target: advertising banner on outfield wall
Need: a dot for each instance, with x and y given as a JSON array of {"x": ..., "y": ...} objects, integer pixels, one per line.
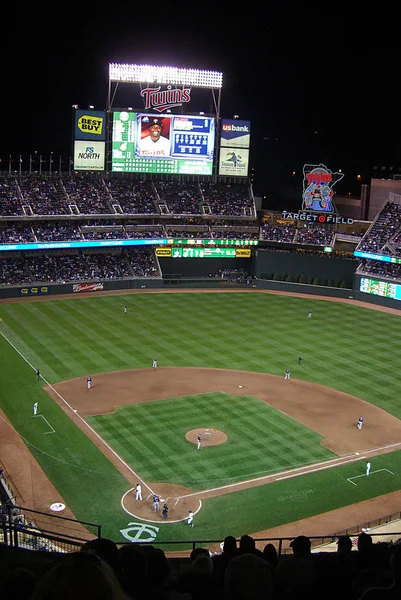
[
  {"x": 89, "y": 156},
  {"x": 34, "y": 291},
  {"x": 235, "y": 133},
  {"x": 90, "y": 125},
  {"x": 87, "y": 287},
  {"x": 234, "y": 162}
]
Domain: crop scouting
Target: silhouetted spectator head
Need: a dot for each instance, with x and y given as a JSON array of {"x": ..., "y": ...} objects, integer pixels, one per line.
[
  {"x": 19, "y": 584},
  {"x": 201, "y": 563},
  {"x": 79, "y": 576},
  {"x": 107, "y": 550},
  {"x": 230, "y": 545},
  {"x": 301, "y": 546},
  {"x": 246, "y": 544},
  {"x": 365, "y": 541},
  {"x": 133, "y": 568},
  {"x": 344, "y": 544},
  {"x": 247, "y": 577},
  {"x": 270, "y": 554}
]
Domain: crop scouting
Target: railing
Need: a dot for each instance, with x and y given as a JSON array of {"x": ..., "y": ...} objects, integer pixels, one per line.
[{"x": 18, "y": 531}]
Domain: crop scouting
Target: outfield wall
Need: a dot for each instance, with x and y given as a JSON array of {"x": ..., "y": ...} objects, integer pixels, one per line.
[{"x": 269, "y": 262}]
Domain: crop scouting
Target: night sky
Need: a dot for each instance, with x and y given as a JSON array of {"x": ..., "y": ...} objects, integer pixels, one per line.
[{"x": 319, "y": 85}]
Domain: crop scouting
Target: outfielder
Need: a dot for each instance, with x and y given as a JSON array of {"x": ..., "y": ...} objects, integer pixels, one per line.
[{"x": 35, "y": 409}]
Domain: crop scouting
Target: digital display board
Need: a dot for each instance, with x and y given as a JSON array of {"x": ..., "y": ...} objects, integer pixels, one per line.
[
  {"x": 216, "y": 242},
  {"x": 380, "y": 288},
  {"x": 149, "y": 143},
  {"x": 191, "y": 252}
]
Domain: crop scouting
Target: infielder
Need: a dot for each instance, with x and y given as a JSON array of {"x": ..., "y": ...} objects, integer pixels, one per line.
[
  {"x": 154, "y": 364},
  {"x": 35, "y": 409},
  {"x": 287, "y": 374},
  {"x": 199, "y": 441},
  {"x": 360, "y": 422},
  {"x": 138, "y": 494},
  {"x": 191, "y": 518},
  {"x": 89, "y": 382}
]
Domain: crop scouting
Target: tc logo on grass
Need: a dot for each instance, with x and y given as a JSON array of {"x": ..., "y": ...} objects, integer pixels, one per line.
[{"x": 140, "y": 528}]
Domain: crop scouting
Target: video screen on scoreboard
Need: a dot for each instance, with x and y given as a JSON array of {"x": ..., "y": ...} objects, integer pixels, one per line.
[
  {"x": 380, "y": 288},
  {"x": 151, "y": 143}
]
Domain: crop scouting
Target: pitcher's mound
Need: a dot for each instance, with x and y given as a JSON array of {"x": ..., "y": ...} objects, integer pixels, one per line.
[{"x": 210, "y": 437}]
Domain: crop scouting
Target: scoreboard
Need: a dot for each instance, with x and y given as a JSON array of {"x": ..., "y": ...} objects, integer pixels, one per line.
[
  {"x": 188, "y": 144},
  {"x": 380, "y": 288}
]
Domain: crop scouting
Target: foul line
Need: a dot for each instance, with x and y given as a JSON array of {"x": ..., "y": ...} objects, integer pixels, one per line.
[
  {"x": 78, "y": 416},
  {"x": 46, "y": 432}
]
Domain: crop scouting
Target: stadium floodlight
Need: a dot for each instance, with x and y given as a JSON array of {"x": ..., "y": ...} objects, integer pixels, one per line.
[{"x": 125, "y": 73}]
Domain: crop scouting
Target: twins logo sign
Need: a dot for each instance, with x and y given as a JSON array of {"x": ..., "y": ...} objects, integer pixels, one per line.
[
  {"x": 318, "y": 188},
  {"x": 140, "y": 532}
]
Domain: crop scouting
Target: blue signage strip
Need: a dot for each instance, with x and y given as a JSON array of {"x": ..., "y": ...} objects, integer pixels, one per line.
[{"x": 91, "y": 244}]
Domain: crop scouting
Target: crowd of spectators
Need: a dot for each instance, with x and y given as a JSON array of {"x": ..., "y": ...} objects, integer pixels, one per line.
[
  {"x": 314, "y": 235},
  {"x": 380, "y": 268},
  {"x": 278, "y": 232},
  {"x": 63, "y": 266},
  {"x": 384, "y": 229},
  {"x": 42, "y": 196},
  {"x": 180, "y": 198},
  {"x": 88, "y": 195},
  {"x": 101, "y": 570},
  {"x": 134, "y": 197},
  {"x": 228, "y": 200}
]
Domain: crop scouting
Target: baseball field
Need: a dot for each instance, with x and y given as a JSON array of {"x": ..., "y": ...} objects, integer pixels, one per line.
[{"x": 273, "y": 451}]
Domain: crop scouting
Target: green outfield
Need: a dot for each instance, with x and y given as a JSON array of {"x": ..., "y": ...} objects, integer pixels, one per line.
[{"x": 351, "y": 349}]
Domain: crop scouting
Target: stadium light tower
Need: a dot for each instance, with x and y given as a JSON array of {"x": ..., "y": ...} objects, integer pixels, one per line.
[{"x": 153, "y": 75}]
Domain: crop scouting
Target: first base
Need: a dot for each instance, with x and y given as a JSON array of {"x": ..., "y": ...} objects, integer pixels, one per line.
[{"x": 240, "y": 386}]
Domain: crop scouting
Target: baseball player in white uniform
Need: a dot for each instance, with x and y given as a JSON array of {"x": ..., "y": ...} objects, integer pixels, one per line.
[
  {"x": 368, "y": 468},
  {"x": 35, "y": 409},
  {"x": 191, "y": 518},
  {"x": 138, "y": 494}
]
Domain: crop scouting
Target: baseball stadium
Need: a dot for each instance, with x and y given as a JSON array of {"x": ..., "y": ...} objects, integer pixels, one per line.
[{"x": 159, "y": 328}]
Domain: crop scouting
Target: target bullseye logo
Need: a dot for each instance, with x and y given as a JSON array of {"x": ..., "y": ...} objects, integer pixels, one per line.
[{"x": 321, "y": 219}]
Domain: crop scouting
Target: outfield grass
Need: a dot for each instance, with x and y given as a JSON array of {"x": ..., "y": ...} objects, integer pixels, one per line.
[{"x": 352, "y": 349}]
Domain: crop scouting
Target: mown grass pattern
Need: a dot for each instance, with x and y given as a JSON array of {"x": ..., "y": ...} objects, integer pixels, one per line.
[
  {"x": 261, "y": 440},
  {"x": 352, "y": 349}
]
